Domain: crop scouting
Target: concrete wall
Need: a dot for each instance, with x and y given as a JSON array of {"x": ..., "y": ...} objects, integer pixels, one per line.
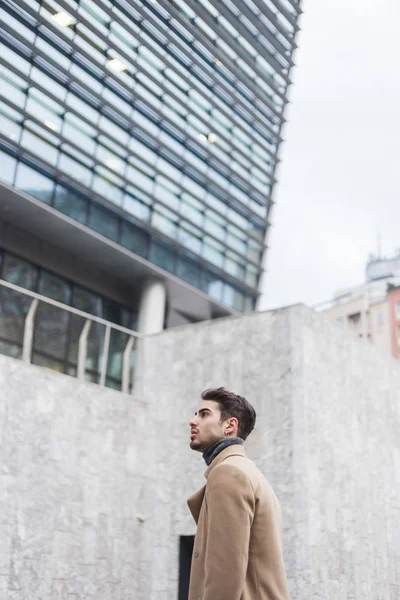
[
  {"x": 328, "y": 409},
  {"x": 80, "y": 463},
  {"x": 73, "y": 479}
]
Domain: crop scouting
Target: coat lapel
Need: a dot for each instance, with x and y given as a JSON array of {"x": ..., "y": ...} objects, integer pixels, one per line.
[{"x": 195, "y": 502}]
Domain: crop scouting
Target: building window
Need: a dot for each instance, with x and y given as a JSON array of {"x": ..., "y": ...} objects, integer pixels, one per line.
[
  {"x": 379, "y": 319},
  {"x": 34, "y": 183},
  {"x": 398, "y": 310}
]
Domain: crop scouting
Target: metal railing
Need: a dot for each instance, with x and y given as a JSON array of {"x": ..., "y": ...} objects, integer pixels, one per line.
[{"x": 89, "y": 321}]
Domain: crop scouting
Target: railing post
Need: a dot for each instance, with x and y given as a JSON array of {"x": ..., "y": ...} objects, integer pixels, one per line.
[
  {"x": 126, "y": 365},
  {"x": 82, "y": 352},
  {"x": 28, "y": 331},
  {"x": 105, "y": 355}
]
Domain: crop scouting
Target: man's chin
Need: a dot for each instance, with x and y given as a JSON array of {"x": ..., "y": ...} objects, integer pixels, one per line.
[{"x": 195, "y": 445}]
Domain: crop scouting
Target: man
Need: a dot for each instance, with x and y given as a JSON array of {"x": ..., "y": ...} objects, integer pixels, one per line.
[{"x": 237, "y": 551}]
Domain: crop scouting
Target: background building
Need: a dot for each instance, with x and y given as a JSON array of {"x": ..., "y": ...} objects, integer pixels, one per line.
[
  {"x": 372, "y": 310},
  {"x": 138, "y": 149}
]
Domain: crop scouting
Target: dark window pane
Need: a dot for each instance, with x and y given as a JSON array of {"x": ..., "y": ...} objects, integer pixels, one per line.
[
  {"x": 94, "y": 351},
  {"x": 48, "y": 362},
  {"x": 51, "y": 331},
  {"x": 118, "y": 341},
  {"x": 161, "y": 256},
  {"x": 85, "y": 300},
  {"x": 111, "y": 311},
  {"x": 189, "y": 271},
  {"x": 9, "y": 349},
  {"x": 14, "y": 307},
  {"x": 135, "y": 239},
  {"x": 103, "y": 221},
  {"x": 54, "y": 287},
  {"x": 34, "y": 183},
  {"x": 19, "y": 272},
  {"x": 70, "y": 203}
]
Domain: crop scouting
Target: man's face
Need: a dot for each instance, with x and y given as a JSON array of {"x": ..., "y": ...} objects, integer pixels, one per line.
[{"x": 206, "y": 427}]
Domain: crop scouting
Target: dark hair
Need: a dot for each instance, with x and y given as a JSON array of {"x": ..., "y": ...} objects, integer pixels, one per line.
[{"x": 233, "y": 405}]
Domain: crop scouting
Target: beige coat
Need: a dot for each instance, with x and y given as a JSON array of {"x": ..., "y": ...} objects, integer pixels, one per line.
[{"x": 237, "y": 551}]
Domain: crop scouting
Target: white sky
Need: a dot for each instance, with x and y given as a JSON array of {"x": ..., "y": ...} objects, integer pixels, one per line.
[{"x": 340, "y": 172}]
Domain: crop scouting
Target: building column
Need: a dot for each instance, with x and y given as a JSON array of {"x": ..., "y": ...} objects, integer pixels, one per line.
[
  {"x": 150, "y": 320},
  {"x": 152, "y": 308}
]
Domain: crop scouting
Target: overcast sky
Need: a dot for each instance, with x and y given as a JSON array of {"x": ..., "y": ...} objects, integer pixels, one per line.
[{"x": 340, "y": 172}]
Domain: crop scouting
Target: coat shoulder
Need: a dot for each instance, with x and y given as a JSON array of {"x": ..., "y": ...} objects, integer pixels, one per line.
[{"x": 235, "y": 468}]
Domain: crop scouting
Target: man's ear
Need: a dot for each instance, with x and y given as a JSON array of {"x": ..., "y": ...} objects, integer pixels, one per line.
[{"x": 233, "y": 424}]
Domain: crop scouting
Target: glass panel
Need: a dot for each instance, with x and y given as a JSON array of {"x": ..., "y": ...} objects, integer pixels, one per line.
[
  {"x": 15, "y": 59},
  {"x": 213, "y": 251},
  {"x": 8, "y": 165},
  {"x": 50, "y": 333},
  {"x": 94, "y": 350},
  {"x": 164, "y": 220},
  {"x": 19, "y": 272},
  {"x": 48, "y": 83},
  {"x": 134, "y": 239},
  {"x": 188, "y": 271},
  {"x": 85, "y": 300},
  {"x": 118, "y": 341},
  {"x": 44, "y": 109},
  {"x": 136, "y": 208},
  {"x": 103, "y": 185},
  {"x": 70, "y": 203},
  {"x": 10, "y": 349},
  {"x": 162, "y": 257},
  {"x": 76, "y": 324},
  {"x": 54, "y": 287},
  {"x": 10, "y": 121},
  {"x": 103, "y": 221},
  {"x": 232, "y": 297},
  {"x": 79, "y": 132},
  {"x": 34, "y": 183},
  {"x": 39, "y": 146},
  {"x": 48, "y": 362},
  {"x": 189, "y": 240},
  {"x": 14, "y": 307},
  {"x": 74, "y": 169},
  {"x": 12, "y": 87},
  {"x": 212, "y": 285}
]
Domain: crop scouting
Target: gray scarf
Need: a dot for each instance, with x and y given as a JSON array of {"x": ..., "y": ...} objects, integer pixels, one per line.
[{"x": 213, "y": 450}]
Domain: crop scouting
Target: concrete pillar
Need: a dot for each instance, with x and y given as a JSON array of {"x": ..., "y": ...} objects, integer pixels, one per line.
[
  {"x": 150, "y": 320},
  {"x": 152, "y": 308}
]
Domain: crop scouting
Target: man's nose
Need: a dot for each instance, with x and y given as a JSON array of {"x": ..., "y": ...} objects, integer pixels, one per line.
[{"x": 192, "y": 422}]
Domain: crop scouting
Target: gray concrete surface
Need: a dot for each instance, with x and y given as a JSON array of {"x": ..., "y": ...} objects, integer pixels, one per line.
[{"x": 93, "y": 483}]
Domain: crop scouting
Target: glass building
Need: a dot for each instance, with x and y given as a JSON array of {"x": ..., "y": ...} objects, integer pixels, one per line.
[{"x": 139, "y": 142}]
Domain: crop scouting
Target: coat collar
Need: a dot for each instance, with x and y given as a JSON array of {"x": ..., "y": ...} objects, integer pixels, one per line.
[
  {"x": 195, "y": 501},
  {"x": 236, "y": 450}
]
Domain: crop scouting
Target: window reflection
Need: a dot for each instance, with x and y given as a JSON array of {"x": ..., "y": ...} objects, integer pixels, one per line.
[
  {"x": 34, "y": 183},
  {"x": 103, "y": 221},
  {"x": 8, "y": 166},
  {"x": 135, "y": 239},
  {"x": 70, "y": 203}
]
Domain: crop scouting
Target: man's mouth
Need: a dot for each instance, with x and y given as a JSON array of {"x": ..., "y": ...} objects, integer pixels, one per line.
[{"x": 193, "y": 435}]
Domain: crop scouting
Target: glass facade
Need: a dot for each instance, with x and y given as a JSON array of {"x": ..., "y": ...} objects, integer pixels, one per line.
[
  {"x": 56, "y": 333},
  {"x": 157, "y": 124}
]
